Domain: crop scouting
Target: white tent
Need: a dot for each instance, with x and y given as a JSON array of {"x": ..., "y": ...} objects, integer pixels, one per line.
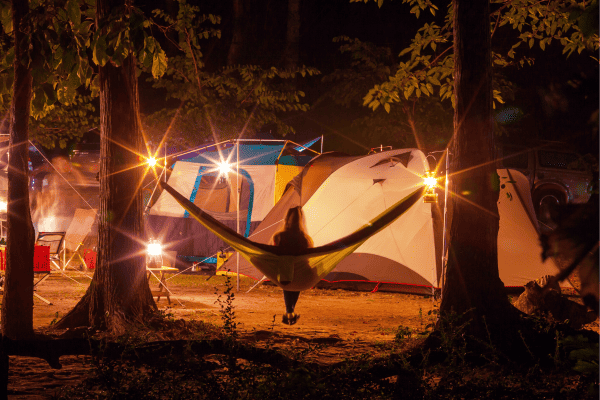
[{"x": 339, "y": 194}]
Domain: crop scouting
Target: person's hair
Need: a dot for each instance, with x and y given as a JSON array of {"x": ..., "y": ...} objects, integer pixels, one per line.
[{"x": 294, "y": 222}]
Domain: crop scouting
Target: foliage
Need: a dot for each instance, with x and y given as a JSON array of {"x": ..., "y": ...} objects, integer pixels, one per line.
[
  {"x": 64, "y": 123},
  {"x": 428, "y": 62},
  {"x": 225, "y": 103},
  {"x": 227, "y": 311},
  {"x": 64, "y": 52},
  {"x": 222, "y": 104},
  {"x": 426, "y": 124}
]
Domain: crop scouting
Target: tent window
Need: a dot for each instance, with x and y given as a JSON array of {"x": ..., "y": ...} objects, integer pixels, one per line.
[
  {"x": 216, "y": 194},
  {"x": 403, "y": 158},
  {"x": 212, "y": 182}
]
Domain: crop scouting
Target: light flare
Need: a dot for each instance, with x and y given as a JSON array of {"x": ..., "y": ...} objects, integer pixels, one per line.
[
  {"x": 154, "y": 249},
  {"x": 430, "y": 181},
  {"x": 224, "y": 168}
]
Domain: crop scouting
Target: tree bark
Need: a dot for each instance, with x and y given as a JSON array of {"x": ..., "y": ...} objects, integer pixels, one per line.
[
  {"x": 237, "y": 40},
  {"x": 119, "y": 292},
  {"x": 17, "y": 303},
  {"x": 292, "y": 37},
  {"x": 472, "y": 286}
]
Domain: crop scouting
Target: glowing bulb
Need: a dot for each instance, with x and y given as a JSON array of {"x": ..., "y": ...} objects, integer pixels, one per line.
[
  {"x": 3, "y": 206},
  {"x": 430, "y": 181},
  {"x": 224, "y": 168},
  {"x": 154, "y": 249},
  {"x": 152, "y": 161}
]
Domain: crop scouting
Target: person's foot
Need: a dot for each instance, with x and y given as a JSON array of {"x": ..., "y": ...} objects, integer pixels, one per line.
[{"x": 290, "y": 318}]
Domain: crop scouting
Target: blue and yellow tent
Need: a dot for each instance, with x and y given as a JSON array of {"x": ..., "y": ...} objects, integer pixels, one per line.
[{"x": 265, "y": 168}]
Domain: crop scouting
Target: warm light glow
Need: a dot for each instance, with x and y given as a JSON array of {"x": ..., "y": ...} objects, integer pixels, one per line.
[
  {"x": 154, "y": 249},
  {"x": 430, "y": 181},
  {"x": 224, "y": 168},
  {"x": 3, "y": 206},
  {"x": 152, "y": 161}
]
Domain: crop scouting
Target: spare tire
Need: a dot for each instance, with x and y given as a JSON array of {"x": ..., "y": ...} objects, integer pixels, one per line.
[{"x": 545, "y": 202}]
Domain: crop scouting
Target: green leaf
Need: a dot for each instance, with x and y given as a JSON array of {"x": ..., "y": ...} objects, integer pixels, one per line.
[
  {"x": 403, "y": 52},
  {"x": 50, "y": 93},
  {"x": 38, "y": 101},
  {"x": 386, "y": 106},
  {"x": 159, "y": 64},
  {"x": 586, "y": 368},
  {"x": 99, "y": 56},
  {"x": 149, "y": 44},
  {"x": 73, "y": 12},
  {"x": 531, "y": 42},
  {"x": 6, "y": 19}
]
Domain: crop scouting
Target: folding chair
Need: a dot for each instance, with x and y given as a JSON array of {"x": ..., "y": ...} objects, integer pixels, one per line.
[
  {"x": 41, "y": 265},
  {"x": 89, "y": 257},
  {"x": 54, "y": 242},
  {"x": 79, "y": 228}
]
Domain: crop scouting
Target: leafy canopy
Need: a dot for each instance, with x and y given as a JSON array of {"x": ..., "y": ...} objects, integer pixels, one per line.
[
  {"x": 222, "y": 103},
  {"x": 428, "y": 62}
]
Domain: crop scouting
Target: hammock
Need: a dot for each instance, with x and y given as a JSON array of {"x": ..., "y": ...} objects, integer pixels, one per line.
[{"x": 301, "y": 269}]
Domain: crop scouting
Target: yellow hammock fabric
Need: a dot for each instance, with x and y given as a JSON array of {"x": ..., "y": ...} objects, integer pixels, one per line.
[{"x": 304, "y": 268}]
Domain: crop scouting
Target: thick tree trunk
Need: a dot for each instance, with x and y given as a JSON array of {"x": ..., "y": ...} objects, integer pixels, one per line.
[
  {"x": 17, "y": 304},
  {"x": 292, "y": 37},
  {"x": 237, "y": 40},
  {"x": 472, "y": 285},
  {"x": 119, "y": 293}
]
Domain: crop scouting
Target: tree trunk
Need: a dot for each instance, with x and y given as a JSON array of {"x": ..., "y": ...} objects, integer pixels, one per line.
[
  {"x": 292, "y": 37},
  {"x": 119, "y": 292},
  {"x": 237, "y": 40},
  {"x": 472, "y": 286},
  {"x": 17, "y": 304}
]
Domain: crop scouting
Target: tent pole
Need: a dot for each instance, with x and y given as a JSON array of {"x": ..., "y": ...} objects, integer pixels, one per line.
[
  {"x": 445, "y": 237},
  {"x": 321, "y": 144},
  {"x": 237, "y": 221}
]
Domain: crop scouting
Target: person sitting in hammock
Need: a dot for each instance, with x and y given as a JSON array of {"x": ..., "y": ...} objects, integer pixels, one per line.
[{"x": 292, "y": 237}]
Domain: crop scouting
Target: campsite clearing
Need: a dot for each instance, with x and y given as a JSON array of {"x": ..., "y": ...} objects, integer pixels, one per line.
[
  {"x": 334, "y": 324},
  {"x": 341, "y": 314}
]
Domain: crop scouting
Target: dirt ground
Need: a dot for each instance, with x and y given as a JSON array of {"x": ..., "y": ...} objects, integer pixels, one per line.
[
  {"x": 349, "y": 315},
  {"x": 345, "y": 323}
]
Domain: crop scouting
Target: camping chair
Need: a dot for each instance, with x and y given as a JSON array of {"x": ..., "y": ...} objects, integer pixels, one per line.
[
  {"x": 54, "y": 242},
  {"x": 41, "y": 266},
  {"x": 167, "y": 262},
  {"x": 79, "y": 228}
]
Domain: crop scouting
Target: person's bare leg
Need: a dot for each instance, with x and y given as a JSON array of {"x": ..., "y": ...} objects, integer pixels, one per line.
[{"x": 290, "y": 298}]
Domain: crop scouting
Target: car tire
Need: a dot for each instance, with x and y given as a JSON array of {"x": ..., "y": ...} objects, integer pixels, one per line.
[{"x": 545, "y": 202}]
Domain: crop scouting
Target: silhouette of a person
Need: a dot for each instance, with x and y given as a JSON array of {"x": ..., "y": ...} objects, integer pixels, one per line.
[{"x": 292, "y": 237}]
